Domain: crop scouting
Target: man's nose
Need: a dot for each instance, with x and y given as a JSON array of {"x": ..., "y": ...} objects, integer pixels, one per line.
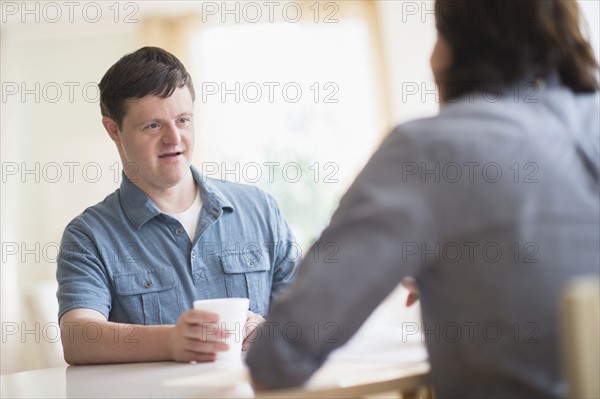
[{"x": 171, "y": 136}]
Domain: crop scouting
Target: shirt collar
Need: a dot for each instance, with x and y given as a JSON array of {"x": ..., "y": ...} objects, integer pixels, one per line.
[{"x": 139, "y": 208}]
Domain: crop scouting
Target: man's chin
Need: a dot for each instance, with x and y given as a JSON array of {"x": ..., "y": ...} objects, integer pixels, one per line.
[{"x": 176, "y": 178}]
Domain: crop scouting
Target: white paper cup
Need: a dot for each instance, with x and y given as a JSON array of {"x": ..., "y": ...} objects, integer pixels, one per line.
[{"x": 232, "y": 318}]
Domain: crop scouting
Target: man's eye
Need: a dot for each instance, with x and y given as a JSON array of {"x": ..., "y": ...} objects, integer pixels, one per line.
[
  {"x": 184, "y": 120},
  {"x": 152, "y": 126}
]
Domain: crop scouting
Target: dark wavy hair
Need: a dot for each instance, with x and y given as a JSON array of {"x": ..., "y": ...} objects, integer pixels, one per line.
[
  {"x": 505, "y": 41},
  {"x": 149, "y": 70}
]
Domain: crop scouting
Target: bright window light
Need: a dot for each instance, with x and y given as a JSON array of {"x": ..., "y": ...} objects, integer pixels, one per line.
[{"x": 289, "y": 107}]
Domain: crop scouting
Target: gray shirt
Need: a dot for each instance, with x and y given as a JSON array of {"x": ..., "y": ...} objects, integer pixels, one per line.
[{"x": 492, "y": 206}]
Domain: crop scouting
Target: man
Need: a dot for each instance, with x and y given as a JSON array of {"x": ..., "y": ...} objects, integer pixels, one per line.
[
  {"x": 492, "y": 206},
  {"x": 131, "y": 266}
]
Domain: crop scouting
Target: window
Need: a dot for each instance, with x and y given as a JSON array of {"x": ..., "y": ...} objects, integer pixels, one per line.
[{"x": 292, "y": 107}]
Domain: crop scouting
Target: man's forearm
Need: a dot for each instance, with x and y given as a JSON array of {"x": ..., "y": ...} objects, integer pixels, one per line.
[{"x": 88, "y": 341}]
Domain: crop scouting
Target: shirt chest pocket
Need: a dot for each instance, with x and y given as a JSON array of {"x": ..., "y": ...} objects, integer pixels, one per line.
[
  {"x": 248, "y": 275},
  {"x": 149, "y": 297}
]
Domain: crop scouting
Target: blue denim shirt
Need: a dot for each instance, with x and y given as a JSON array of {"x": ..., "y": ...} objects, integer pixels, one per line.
[{"x": 133, "y": 263}]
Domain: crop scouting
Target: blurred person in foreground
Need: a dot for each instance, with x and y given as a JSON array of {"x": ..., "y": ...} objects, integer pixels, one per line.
[
  {"x": 131, "y": 266},
  {"x": 492, "y": 205}
]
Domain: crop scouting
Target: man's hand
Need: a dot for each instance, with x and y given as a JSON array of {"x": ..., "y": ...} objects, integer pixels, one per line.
[
  {"x": 413, "y": 292},
  {"x": 253, "y": 321},
  {"x": 196, "y": 337}
]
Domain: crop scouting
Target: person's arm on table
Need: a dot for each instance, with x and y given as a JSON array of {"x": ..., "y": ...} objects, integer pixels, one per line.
[
  {"x": 85, "y": 301},
  {"x": 88, "y": 338}
]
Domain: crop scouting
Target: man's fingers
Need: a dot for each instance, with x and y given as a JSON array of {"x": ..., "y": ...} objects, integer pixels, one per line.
[
  {"x": 249, "y": 339},
  {"x": 411, "y": 298},
  {"x": 250, "y": 329},
  {"x": 197, "y": 324},
  {"x": 198, "y": 351},
  {"x": 204, "y": 331},
  {"x": 196, "y": 316},
  {"x": 193, "y": 345},
  {"x": 201, "y": 357},
  {"x": 413, "y": 291}
]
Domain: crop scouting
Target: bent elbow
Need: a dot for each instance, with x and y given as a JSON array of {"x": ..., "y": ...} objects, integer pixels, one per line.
[
  {"x": 68, "y": 356},
  {"x": 72, "y": 356}
]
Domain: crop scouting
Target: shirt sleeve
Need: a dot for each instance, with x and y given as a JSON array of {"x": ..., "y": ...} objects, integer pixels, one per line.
[
  {"x": 287, "y": 253},
  {"x": 358, "y": 263},
  {"x": 81, "y": 275}
]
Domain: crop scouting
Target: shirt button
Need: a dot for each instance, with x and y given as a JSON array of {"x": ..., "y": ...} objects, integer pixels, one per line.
[
  {"x": 251, "y": 264},
  {"x": 147, "y": 284},
  {"x": 178, "y": 232},
  {"x": 193, "y": 254}
]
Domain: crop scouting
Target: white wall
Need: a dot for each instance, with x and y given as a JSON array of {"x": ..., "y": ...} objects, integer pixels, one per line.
[
  {"x": 43, "y": 132},
  {"x": 409, "y": 35}
]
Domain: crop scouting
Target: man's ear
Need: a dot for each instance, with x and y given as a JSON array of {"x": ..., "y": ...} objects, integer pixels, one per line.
[{"x": 112, "y": 128}]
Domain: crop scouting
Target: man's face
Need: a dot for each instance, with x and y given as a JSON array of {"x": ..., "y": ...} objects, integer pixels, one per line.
[{"x": 156, "y": 140}]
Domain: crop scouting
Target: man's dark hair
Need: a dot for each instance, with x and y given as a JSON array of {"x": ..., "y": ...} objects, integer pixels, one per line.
[
  {"x": 505, "y": 41},
  {"x": 149, "y": 70}
]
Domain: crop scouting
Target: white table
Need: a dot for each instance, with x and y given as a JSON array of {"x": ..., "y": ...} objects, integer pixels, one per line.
[{"x": 377, "y": 361}]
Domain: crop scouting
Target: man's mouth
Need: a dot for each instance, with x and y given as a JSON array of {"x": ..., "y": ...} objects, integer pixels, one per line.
[{"x": 170, "y": 154}]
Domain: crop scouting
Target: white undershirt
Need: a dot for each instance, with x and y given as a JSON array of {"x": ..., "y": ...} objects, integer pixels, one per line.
[{"x": 189, "y": 218}]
